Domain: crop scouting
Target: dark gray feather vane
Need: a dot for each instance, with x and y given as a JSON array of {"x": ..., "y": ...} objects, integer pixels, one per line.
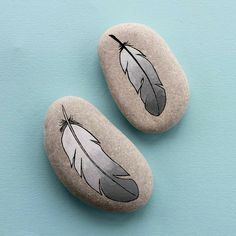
[
  {"x": 143, "y": 77},
  {"x": 90, "y": 161}
]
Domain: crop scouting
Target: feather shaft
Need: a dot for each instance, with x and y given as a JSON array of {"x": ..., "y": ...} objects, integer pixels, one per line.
[
  {"x": 156, "y": 104},
  {"x": 123, "y": 46},
  {"x": 124, "y": 189}
]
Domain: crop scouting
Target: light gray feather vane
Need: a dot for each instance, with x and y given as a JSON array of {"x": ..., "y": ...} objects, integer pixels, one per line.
[
  {"x": 143, "y": 77},
  {"x": 98, "y": 170}
]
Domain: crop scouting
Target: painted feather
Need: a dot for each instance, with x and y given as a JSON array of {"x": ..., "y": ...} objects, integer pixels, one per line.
[
  {"x": 99, "y": 171},
  {"x": 143, "y": 77}
]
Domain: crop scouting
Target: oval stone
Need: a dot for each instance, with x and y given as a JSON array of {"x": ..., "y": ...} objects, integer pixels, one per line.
[
  {"x": 93, "y": 159},
  {"x": 144, "y": 77}
]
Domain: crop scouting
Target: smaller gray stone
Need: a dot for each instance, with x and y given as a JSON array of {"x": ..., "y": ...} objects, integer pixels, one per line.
[
  {"x": 93, "y": 159},
  {"x": 144, "y": 77}
]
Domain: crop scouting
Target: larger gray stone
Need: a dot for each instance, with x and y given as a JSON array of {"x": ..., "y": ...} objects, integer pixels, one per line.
[
  {"x": 144, "y": 77},
  {"x": 93, "y": 159}
]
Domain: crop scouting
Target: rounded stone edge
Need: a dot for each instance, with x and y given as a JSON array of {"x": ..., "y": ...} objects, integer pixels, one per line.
[
  {"x": 137, "y": 125},
  {"x": 67, "y": 186}
]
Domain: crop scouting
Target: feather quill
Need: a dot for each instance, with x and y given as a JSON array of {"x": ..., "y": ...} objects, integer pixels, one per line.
[
  {"x": 99, "y": 171},
  {"x": 143, "y": 77}
]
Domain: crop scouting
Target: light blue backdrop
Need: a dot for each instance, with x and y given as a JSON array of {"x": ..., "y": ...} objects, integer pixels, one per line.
[{"x": 48, "y": 50}]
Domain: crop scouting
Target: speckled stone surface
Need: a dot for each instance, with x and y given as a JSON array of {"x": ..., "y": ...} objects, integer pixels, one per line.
[
  {"x": 157, "y": 52},
  {"x": 115, "y": 144}
]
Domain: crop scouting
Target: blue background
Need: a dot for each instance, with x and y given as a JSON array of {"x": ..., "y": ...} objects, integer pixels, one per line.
[{"x": 48, "y": 49}]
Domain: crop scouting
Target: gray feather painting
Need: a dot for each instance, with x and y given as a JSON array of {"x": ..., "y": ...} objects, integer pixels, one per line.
[
  {"x": 100, "y": 172},
  {"x": 143, "y": 76}
]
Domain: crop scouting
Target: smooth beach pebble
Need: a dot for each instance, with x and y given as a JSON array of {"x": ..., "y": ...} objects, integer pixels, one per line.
[
  {"x": 93, "y": 159},
  {"x": 144, "y": 77}
]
